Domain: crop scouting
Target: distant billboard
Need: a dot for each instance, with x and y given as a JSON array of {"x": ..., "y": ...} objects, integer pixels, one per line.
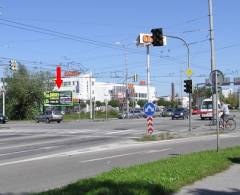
[
  {"x": 236, "y": 81},
  {"x": 58, "y": 98}
]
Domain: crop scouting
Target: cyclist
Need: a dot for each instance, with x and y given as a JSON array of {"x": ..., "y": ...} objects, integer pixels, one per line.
[{"x": 225, "y": 111}]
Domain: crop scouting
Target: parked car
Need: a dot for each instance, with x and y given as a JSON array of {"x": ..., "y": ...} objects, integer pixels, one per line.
[
  {"x": 50, "y": 116},
  {"x": 168, "y": 112},
  {"x": 3, "y": 119},
  {"x": 131, "y": 114},
  {"x": 180, "y": 113}
]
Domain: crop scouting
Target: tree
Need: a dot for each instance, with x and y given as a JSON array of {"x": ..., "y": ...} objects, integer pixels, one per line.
[
  {"x": 114, "y": 103},
  {"x": 201, "y": 93},
  {"x": 98, "y": 103},
  {"x": 232, "y": 100},
  {"x": 25, "y": 93},
  {"x": 141, "y": 103}
]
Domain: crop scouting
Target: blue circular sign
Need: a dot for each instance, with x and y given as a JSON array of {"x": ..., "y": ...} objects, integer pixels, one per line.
[{"x": 149, "y": 109}]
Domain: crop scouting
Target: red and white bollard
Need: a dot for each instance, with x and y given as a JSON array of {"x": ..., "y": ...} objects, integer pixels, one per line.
[{"x": 150, "y": 124}]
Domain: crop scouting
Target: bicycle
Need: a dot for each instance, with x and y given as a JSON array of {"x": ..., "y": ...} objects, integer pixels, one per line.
[{"x": 228, "y": 124}]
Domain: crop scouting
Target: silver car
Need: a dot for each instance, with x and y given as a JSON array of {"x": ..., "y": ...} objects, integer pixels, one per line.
[{"x": 50, "y": 116}]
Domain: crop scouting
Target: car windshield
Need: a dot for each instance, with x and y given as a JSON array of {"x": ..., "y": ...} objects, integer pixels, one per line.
[
  {"x": 57, "y": 112},
  {"x": 207, "y": 105}
]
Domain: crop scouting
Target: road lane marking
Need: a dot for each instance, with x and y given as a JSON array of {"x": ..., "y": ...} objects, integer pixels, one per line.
[
  {"x": 121, "y": 131},
  {"x": 126, "y": 154},
  {"x": 30, "y": 150}
]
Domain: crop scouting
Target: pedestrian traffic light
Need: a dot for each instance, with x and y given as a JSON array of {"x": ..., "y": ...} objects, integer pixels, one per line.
[
  {"x": 188, "y": 86},
  {"x": 157, "y": 36}
]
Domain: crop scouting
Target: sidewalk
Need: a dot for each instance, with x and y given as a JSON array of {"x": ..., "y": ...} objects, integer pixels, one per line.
[{"x": 225, "y": 183}]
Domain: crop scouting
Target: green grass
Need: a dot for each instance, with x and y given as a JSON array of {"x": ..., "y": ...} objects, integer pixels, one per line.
[
  {"x": 156, "y": 137},
  {"x": 159, "y": 177}
]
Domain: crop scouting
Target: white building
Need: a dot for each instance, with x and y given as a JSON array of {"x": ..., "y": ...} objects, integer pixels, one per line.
[{"x": 82, "y": 84}]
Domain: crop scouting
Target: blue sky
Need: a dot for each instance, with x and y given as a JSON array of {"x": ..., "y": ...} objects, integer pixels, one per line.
[{"x": 96, "y": 26}]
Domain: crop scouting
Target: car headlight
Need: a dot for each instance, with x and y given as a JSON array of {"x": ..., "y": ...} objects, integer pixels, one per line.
[
  {"x": 1, "y": 118},
  {"x": 181, "y": 113}
]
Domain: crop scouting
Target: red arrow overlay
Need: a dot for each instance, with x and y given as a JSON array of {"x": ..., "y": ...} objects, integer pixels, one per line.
[{"x": 58, "y": 80}]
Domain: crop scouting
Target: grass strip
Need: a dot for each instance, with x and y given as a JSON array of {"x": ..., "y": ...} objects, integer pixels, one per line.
[{"x": 158, "y": 177}]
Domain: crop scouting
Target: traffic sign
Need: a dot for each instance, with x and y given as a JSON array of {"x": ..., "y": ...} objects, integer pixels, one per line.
[
  {"x": 216, "y": 74},
  {"x": 149, "y": 109},
  {"x": 189, "y": 72}
]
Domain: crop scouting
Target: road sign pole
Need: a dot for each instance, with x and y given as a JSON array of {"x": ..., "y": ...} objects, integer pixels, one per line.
[
  {"x": 149, "y": 110},
  {"x": 148, "y": 72}
]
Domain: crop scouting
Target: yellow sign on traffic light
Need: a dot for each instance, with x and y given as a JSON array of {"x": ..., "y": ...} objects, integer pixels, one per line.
[
  {"x": 147, "y": 39},
  {"x": 189, "y": 72}
]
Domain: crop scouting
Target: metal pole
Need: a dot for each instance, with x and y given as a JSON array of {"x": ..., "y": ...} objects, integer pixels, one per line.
[
  {"x": 213, "y": 67},
  {"x": 181, "y": 86},
  {"x": 106, "y": 109},
  {"x": 239, "y": 98},
  {"x": 3, "y": 111},
  {"x": 3, "y": 100},
  {"x": 190, "y": 113},
  {"x": 94, "y": 105},
  {"x": 148, "y": 73},
  {"x": 79, "y": 108},
  {"x": 90, "y": 86},
  {"x": 217, "y": 119},
  {"x": 126, "y": 77},
  {"x": 190, "y": 95}
]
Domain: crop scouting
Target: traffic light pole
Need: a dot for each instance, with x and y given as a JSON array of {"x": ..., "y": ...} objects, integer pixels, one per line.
[
  {"x": 148, "y": 73},
  {"x": 190, "y": 94},
  {"x": 190, "y": 113}
]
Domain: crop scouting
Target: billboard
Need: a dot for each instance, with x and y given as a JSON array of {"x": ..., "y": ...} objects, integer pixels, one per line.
[{"x": 58, "y": 98}]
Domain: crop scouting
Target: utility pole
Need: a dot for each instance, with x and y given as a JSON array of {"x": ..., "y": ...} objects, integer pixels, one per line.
[{"x": 213, "y": 67}]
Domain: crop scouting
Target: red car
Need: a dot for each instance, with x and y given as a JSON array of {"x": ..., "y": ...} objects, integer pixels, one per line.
[{"x": 196, "y": 111}]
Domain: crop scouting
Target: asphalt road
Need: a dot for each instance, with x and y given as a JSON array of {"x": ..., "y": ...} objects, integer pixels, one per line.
[{"x": 36, "y": 157}]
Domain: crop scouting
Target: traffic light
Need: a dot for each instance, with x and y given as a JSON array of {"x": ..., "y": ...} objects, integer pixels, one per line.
[
  {"x": 157, "y": 36},
  {"x": 135, "y": 78},
  {"x": 188, "y": 86}
]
